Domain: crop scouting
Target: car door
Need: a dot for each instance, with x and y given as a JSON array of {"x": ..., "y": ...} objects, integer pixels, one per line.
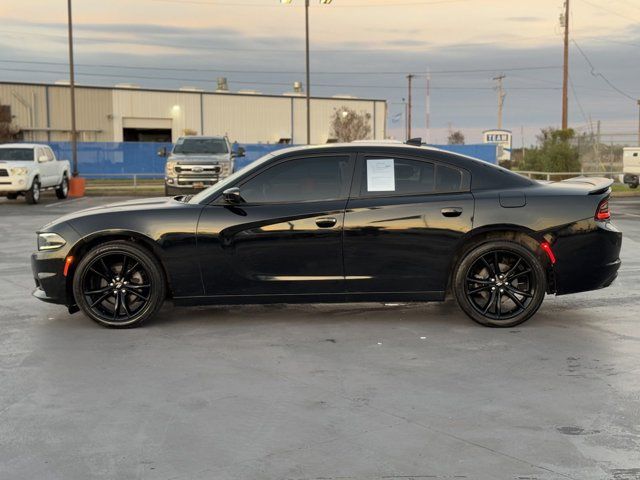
[
  {"x": 404, "y": 221},
  {"x": 285, "y": 238},
  {"x": 45, "y": 166}
]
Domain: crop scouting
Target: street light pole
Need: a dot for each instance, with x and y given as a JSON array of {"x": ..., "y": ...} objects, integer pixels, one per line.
[
  {"x": 308, "y": 73},
  {"x": 639, "y": 123},
  {"x": 307, "y": 62},
  {"x": 72, "y": 92}
]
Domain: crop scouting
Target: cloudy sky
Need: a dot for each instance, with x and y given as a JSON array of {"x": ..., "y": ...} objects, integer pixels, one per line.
[{"x": 359, "y": 47}]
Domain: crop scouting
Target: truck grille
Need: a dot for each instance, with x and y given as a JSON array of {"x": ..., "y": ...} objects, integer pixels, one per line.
[
  {"x": 4, "y": 173},
  {"x": 198, "y": 170}
]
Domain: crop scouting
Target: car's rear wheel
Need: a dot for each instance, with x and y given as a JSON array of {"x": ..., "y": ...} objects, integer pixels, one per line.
[
  {"x": 32, "y": 196},
  {"x": 119, "y": 285},
  {"x": 500, "y": 284},
  {"x": 62, "y": 191}
]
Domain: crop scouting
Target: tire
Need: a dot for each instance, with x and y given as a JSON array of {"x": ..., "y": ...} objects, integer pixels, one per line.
[
  {"x": 32, "y": 195},
  {"x": 633, "y": 185},
  {"x": 505, "y": 298},
  {"x": 119, "y": 285},
  {"x": 62, "y": 191},
  {"x": 12, "y": 196}
]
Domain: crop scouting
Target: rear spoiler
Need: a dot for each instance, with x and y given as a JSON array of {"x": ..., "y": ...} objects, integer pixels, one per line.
[{"x": 596, "y": 185}]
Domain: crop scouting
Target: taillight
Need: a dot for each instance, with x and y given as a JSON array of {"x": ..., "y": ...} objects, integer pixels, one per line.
[{"x": 603, "y": 213}]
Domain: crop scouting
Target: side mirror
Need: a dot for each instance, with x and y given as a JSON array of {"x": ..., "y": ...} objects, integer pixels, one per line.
[
  {"x": 43, "y": 159},
  {"x": 240, "y": 152},
  {"x": 232, "y": 195},
  {"x": 162, "y": 152}
]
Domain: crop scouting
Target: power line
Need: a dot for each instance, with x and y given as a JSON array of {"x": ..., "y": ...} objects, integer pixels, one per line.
[
  {"x": 598, "y": 74},
  {"x": 183, "y": 79},
  {"x": 214, "y": 70},
  {"x": 352, "y": 5}
]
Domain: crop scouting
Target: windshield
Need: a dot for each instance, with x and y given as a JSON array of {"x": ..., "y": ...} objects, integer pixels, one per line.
[
  {"x": 17, "y": 154},
  {"x": 223, "y": 185},
  {"x": 186, "y": 146}
]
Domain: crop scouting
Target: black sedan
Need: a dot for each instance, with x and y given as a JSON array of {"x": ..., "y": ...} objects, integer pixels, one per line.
[{"x": 338, "y": 223}]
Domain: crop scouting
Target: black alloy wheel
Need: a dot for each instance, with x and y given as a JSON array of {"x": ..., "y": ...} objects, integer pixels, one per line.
[
  {"x": 500, "y": 284},
  {"x": 119, "y": 285}
]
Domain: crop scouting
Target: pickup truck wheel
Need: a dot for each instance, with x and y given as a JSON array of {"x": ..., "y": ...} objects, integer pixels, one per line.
[
  {"x": 33, "y": 194},
  {"x": 62, "y": 191},
  {"x": 119, "y": 285},
  {"x": 633, "y": 185},
  {"x": 12, "y": 196}
]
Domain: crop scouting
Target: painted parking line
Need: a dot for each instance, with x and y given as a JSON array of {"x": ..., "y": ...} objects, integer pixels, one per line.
[{"x": 66, "y": 202}]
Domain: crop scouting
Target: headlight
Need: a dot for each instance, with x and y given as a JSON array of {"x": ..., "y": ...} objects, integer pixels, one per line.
[
  {"x": 225, "y": 168},
  {"x": 19, "y": 171},
  {"x": 170, "y": 168},
  {"x": 50, "y": 241}
]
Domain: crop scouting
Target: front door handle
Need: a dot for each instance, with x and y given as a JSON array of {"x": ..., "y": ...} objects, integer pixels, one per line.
[
  {"x": 451, "y": 211},
  {"x": 327, "y": 222}
]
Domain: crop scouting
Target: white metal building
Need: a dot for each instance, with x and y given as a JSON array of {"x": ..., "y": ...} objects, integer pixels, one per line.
[{"x": 129, "y": 113}]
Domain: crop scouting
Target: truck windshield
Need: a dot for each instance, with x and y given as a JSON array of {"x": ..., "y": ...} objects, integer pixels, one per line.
[
  {"x": 188, "y": 146},
  {"x": 17, "y": 154}
]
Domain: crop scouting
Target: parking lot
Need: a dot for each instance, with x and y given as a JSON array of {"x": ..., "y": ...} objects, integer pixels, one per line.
[{"x": 318, "y": 391}]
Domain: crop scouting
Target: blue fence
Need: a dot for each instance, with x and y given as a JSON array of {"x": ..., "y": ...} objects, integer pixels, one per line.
[{"x": 101, "y": 159}]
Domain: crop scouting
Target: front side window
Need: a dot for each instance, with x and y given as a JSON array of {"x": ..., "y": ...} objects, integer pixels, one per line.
[
  {"x": 301, "y": 180},
  {"x": 401, "y": 176}
]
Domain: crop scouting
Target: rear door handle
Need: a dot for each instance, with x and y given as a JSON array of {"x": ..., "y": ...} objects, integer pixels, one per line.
[
  {"x": 327, "y": 222},
  {"x": 451, "y": 211}
]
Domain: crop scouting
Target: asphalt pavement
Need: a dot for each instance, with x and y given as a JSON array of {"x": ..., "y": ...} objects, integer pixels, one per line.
[{"x": 357, "y": 391}]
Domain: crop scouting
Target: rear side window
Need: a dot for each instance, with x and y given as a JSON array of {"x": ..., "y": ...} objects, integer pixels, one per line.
[
  {"x": 400, "y": 176},
  {"x": 300, "y": 180}
]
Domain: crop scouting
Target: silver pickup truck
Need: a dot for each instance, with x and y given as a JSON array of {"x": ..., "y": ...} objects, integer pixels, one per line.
[{"x": 196, "y": 163}]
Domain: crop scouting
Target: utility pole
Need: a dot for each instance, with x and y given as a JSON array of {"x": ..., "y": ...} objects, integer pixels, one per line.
[
  {"x": 565, "y": 71},
  {"x": 639, "y": 123},
  {"x": 428, "y": 106},
  {"x": 306, "y": 23},
  {"x": 409, "y": 106},
  {"x": 72, "y": 91},
  {"x": 501, "y": 95}
]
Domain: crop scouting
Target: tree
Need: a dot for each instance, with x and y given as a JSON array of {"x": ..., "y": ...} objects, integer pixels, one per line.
[
  {"x": 348, "y": 125},
  {"x": 456, "y": 138},
  {"x": 554, "y": 153},
  {"x": 8, "y": 132}
]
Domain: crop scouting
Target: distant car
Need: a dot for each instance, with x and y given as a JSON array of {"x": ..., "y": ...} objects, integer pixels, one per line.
[
  {"x": 631, "y": 166},
  {"x": 196, "y": 163},
  {"x": 28, "y": 168},
  {"x": 338, "y": 223}
]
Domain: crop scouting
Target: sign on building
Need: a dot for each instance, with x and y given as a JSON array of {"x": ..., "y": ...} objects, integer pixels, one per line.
[{"x": 503, "y": 139}]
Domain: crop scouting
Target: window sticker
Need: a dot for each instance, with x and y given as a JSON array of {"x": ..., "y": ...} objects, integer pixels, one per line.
[{"x": 381, "y": 175}]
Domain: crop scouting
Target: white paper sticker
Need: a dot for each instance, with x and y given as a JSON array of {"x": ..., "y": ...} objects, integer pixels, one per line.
[{"x": 381, "y": 175}]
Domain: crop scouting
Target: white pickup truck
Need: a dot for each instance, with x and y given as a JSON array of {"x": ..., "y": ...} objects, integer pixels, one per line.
[
  {"x": 631, "y": 166},
  {"x": 28, "y": 168}
]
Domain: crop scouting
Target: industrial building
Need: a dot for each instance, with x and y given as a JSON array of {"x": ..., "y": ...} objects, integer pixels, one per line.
[{"x": 130, "y": 113}]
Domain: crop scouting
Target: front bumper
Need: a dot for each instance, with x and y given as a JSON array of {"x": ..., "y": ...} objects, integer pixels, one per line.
[
  {"x": 13, "y": 184},
  {"x": 51, "y": 284},
  {"x": 588, "y": 256}
]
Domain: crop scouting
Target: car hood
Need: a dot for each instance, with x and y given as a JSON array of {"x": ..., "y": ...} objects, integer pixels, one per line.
[
  {"x": 184, "y": 159},
  {"x": 119, "y": 207},
  {"x": 4, "y": 164}
]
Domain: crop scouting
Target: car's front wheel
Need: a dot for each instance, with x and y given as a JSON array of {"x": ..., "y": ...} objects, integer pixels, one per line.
[
  {"x": 500, "y": 284},
  {"x": 119, "y": 285},
  {"x": 32, "y": 196}
]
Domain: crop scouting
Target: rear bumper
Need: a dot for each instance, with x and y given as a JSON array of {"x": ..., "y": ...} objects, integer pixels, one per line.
[
  {"x": 588, "y": 257},
  {"x": 631, "y": 178}
]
